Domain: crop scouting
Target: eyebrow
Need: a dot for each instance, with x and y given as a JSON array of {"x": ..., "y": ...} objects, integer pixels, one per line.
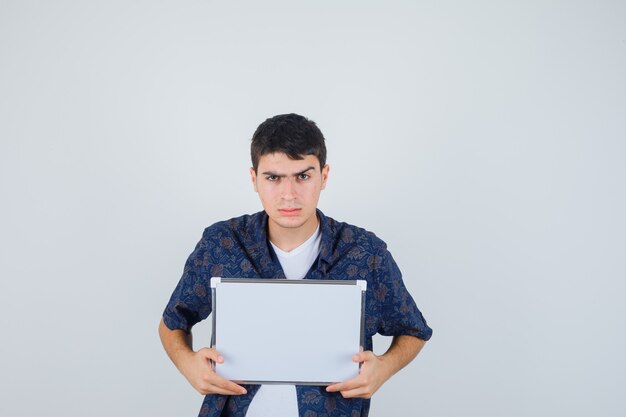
[{"x": 275, "y": 174}]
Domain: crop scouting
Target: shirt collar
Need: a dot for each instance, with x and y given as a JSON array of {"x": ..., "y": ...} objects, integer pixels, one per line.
[
  {"x": 328, "y": 237},
  {"x": 267, "y": 262}
]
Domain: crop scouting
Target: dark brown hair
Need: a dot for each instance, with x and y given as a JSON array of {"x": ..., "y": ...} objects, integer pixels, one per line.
[{"x": 291, "y": 134}]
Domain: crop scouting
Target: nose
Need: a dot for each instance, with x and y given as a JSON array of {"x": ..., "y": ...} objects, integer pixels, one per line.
[{"x": 289, "y": 191}]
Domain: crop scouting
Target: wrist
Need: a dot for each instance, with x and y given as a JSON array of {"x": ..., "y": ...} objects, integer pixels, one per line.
[
  {"x": 389, "y": 365},
  {"x": 183, "y": 359}
]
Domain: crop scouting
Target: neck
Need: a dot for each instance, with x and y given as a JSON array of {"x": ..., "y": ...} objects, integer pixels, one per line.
[{"x": 287, "y": 239}]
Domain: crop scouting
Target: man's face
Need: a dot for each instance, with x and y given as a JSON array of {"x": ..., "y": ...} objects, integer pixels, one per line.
[{"x": 289, "y": 190}]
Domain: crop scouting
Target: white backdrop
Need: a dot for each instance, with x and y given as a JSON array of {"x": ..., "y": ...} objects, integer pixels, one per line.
[{"x": 484, "y": 141}]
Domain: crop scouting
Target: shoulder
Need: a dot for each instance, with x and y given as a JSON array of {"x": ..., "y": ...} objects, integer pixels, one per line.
[
  {"x": 347, "y": 235},
  {"x": 237, "y": 225},
  {"x": 227, "y": 232},
  {"x": 225, "y": 241}
]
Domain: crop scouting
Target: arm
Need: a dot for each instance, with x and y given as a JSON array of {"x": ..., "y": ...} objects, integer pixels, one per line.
[
  {"x": 376, "y": 370},
  {"x": 196, "y": 366}
]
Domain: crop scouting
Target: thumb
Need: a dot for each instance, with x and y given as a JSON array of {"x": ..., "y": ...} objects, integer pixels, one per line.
[
  {"x": 211, "y": 353},
  {"x": 362, "y": 356}
]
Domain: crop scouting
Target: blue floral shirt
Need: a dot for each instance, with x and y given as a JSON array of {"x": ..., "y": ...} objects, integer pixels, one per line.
[{"x": 239, "y": 248}]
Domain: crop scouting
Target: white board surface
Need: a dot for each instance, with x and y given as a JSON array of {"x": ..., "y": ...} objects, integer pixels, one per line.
[{"x": 287, "y": 331}]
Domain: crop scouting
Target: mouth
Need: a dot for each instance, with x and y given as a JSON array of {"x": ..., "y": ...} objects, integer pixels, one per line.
[{"x": 289, "y": 211}]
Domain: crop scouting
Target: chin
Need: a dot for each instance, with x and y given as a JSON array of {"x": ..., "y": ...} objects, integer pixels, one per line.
[{"x": 289, "y": 222}]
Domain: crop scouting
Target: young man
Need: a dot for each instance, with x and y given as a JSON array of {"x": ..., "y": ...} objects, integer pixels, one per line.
[{"x": 292, "y": 239}]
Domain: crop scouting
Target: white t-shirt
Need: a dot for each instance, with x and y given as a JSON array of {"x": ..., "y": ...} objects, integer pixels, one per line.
[{"x": 280, "y": 400}]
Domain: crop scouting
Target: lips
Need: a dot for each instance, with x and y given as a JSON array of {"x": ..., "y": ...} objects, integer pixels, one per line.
[{"x": 289, "y": 211}]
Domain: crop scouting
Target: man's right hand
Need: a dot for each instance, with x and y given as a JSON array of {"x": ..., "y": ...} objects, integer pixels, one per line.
[{"x": 196, "y": 367}]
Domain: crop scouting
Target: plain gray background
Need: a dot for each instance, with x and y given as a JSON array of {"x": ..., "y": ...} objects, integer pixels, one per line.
[{"x": 483, "y": 140}]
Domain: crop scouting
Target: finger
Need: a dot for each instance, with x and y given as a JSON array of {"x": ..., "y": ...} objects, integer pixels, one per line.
[
  {"x": 235, "y": 390},
  {"x": 343, "y": 386},
  {"x": 361, "y": 392},
  {"x": 227, "y": 385},
  {"x": 218, "y": 390},
  {"x": 232, "y": 387},
  {"x": 211, "y": 353}
]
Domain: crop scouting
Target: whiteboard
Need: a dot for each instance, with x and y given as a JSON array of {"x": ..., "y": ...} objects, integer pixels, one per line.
[{"x": 280, "y": 331}]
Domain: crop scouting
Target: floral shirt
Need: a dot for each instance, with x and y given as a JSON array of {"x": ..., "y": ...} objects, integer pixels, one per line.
[{"x": 239, "y": 248}]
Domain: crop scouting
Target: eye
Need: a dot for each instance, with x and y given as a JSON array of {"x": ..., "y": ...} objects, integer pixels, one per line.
[
  {"x": 303, "y": 177},
  {"x": 272, "y": 178}
]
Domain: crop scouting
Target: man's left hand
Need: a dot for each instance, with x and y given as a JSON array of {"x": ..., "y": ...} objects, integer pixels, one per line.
[{"x": 373, "y": 374}]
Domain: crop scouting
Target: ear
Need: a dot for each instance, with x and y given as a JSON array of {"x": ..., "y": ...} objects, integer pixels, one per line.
[
  {"x": 253, "y": 178},
  {"x": 325, "y": 171}
]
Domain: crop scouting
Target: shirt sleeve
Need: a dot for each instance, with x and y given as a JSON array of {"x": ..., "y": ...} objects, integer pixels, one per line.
[
  {"x": 399, "y": 313},
  {"x": 191, "y": 300}
]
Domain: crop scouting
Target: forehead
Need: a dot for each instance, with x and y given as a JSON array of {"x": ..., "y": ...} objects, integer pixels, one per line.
[{"x": 280, "y": 162}]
